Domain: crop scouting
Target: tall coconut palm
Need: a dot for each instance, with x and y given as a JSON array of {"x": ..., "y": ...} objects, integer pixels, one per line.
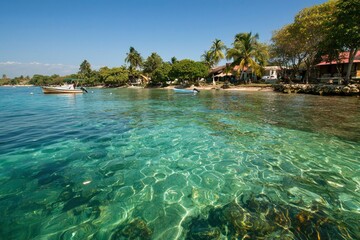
[
  {"x": 247, "y": 52},
  {"x": 215, "y": 54},
  {"x": 208, "y": 59},
  {"x": 173, "y": 60},
  {"x": 216, "y": 50},
  {"x": 134, "y": 59}
]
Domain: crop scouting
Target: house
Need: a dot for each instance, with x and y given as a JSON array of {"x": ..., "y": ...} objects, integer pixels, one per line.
[
  {"x": 231, "y": 74},
  {"x": 272, "y": 74},
  {"x": 272, "y": 71},
  {"x": 222, "y": 73},
  {"x": 226, "y": 73},
  {"x": 139, "y": 80},
  {"x": 335, "y": 71}
]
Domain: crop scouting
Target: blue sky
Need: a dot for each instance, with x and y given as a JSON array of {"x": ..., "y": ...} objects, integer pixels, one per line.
[{"x": 55, "y": 36}]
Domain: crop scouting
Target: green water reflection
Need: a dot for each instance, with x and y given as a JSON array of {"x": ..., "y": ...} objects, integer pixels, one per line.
[{"x": 151, "y": 164}]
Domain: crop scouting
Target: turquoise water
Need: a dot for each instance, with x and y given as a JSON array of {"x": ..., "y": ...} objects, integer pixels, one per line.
[{"x": 153, "y": 164}]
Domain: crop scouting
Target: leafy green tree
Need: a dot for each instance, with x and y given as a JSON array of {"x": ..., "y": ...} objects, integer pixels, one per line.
[
  {"x": 247, "y": 52},
  {"x": 4, "y": 80},
  {"x": 18, "y": 80},
  {"x": 40, "y": 80},
  {"x": 72, "y": 76},
  {"x": 278, "y": 53},
  {"x": 114, "y": 77},
  {"x": 344, "y": 30},
  {"x": 326, "y": 29},
  {"x": 104, "y": 72},
  {"x": 94, "y": 80},
  {"x": 200, "y": 70},
  {"x": 188, "y": 70},
  {"x": 14, "y": 81},
  {"x": 55, "y": 79},
  {"x": 309, "y": 26},
  {"x": 161, "y": 74},
  {"x": 85, "y": 70},
  {"x": 152, "y": 63}
]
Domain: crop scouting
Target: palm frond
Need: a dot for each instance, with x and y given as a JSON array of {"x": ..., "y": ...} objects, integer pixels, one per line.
[{"x": 247, "y": 52}]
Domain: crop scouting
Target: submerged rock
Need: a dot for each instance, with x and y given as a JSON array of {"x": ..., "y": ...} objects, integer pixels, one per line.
[
  {"x": 258, "y": 217},
  {"x": 201, "y": 230},
  {"x": 315, "y": 225},
  {"x": 137, "y": 229},
  {"x": 319, "y": 89}
]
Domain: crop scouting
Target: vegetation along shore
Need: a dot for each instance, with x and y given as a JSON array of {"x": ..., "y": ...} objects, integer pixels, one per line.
[{"x": 319, "y": 49}]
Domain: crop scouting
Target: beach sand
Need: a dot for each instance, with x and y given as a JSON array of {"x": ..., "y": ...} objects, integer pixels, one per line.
[{"x": 232, "y": 88}]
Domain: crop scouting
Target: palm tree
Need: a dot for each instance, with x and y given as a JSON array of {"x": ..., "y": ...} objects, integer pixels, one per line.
[
  {"x": 85, "y": 70},
  {"x": 134, "y": 58},
  {"x": 247, "y": 52},
  {"x": 214, "y": 55},
  {"x": 217, "y": 50},
  {"x": 173, "y": 60},
  {"x": 208, "y": 59}
]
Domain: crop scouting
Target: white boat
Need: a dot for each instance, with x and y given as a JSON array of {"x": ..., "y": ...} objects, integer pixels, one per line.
[
  {"x": 181, "y": 90},
  {"x": 63, "y": 89}
]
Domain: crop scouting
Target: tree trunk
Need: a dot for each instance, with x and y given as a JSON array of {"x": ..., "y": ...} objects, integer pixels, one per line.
[
  {"x": 213, "y": 78},
  {"x": 255, "y": 77},
  {"x": 307, "y": 73},
  {"x": 352, "y": 54},
  {"x": 242, "y": 75}
]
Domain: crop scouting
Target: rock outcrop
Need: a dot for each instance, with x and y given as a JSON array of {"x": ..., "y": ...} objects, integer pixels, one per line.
[{"x": 319, "y": 89}]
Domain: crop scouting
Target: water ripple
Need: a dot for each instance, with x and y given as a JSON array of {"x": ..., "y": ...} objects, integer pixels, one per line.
[{"x": 151, "y": 164}]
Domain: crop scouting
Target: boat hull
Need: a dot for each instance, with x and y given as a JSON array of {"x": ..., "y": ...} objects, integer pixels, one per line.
[
  {"x": 60, "y": 90},
  {"x": 180, "y": 90}
]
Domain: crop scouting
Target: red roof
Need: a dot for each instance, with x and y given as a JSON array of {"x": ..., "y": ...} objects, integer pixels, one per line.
[{"x": 344, "y": 58}]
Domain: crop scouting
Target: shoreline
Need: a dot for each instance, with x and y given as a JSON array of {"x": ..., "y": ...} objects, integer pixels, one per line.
[
  {"x": 206, "y": 88},
  {"x": 236, "y": 88}
]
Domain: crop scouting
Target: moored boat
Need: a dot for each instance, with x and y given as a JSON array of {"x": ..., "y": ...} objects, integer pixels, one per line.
[
  {"x": 181, "y": 90},
  {"x": 62, "y": 89}
]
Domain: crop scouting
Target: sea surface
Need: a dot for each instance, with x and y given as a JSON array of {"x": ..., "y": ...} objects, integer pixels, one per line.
[{"x": 154, "y": 164}]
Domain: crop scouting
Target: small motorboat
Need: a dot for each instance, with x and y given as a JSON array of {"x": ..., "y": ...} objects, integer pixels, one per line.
[
  {"x": 182, "y": 90},
  {"x": 69, "y": 89}
]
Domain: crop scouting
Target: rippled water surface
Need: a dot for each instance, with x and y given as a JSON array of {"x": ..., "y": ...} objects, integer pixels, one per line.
[{"x": 153, "y": 164}]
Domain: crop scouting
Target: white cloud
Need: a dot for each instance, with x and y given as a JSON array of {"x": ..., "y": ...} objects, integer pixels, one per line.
[
  {"x": 15, "y": 69},
  {"x": 9, "y": 63}
]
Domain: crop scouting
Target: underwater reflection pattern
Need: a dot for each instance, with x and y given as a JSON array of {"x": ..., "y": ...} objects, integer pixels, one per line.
[{"x": 150, "y": 164}]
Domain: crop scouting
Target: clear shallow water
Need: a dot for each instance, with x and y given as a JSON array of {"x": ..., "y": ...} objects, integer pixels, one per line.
[{"x": 152, "y": 164}]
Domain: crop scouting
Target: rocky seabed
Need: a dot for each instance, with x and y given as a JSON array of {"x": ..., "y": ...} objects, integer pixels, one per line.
[{"x": 319, "y": 89}]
